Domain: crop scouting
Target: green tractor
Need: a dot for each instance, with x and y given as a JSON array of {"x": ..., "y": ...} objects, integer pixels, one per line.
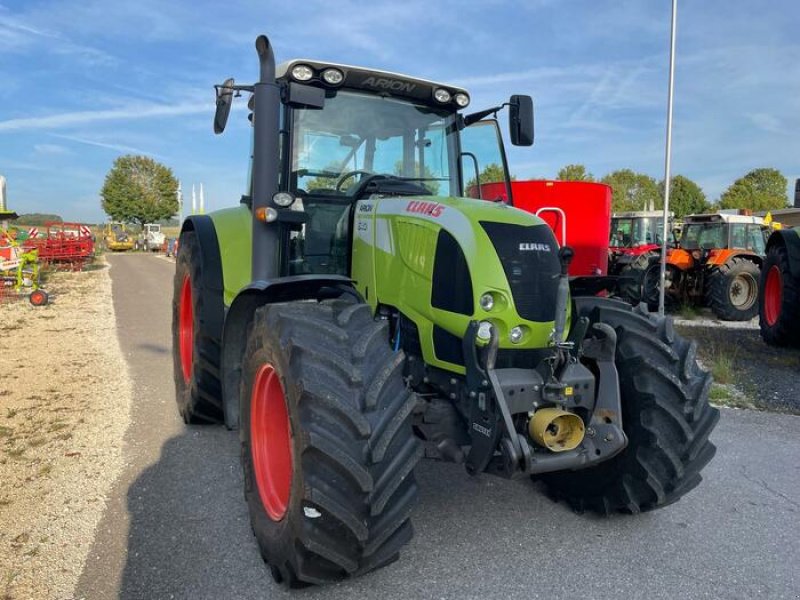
[{"x": 355, "y": 313}]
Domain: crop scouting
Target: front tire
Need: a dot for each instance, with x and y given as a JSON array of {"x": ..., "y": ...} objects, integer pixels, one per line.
[
  {"x": 733, "y": 290},
  {"x": 328, "y": 450},
  {"x": 195, "y": 352},
  {"x": 779, "y": 304},
  {"x": 665, "y": 414}
]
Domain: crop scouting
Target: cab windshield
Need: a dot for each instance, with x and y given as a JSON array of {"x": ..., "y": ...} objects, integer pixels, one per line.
[
  {"x": 639, "y": 231},
  {"x": 704, "y": 236},
  {"x": 356, "y": 135}
]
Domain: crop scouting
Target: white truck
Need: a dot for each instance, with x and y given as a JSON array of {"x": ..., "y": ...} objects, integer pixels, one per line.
[{"x": 153, "y": 237}]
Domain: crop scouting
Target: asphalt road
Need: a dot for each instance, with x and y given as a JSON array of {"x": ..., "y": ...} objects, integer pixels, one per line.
[{"x": 176, "y": 524}]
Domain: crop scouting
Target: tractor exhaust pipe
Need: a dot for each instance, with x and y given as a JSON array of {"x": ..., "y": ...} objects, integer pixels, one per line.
[
  {"x": 556, "y": 429},
  {"x": 266, "y": 121}
]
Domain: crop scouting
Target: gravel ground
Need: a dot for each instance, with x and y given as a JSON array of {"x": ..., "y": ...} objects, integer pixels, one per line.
[
  {"x": 64, "y": 407},
  {"x": 760, "y": 375}
]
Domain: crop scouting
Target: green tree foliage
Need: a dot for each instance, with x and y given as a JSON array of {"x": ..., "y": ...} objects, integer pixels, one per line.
[
  {"x": 138, "y": 189},
  {"x": 37, "y": 219},
  {"x": 632, "y": 191},
  {"x": 685, "y": 197},
  {"x": 760, "y": 189},
  {"x": 574, "y": 173},
  {"x": 492, "y": 173}
]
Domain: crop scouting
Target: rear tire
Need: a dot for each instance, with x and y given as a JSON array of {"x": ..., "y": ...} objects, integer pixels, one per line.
[
  {"x": 779, "y": 300},
  {"x": 733, "y": 290},
  {"x": 665, "y": 414},
  {"x": 344, "y": 506},
  {"x": 195, "y": 352}
]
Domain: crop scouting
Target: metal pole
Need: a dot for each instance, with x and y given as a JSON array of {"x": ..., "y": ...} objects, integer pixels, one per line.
[
  {"x": 179, "y": 195},
  {"x": 667, "y": 159}
]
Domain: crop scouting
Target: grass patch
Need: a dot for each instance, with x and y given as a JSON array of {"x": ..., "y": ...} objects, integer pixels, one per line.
[
  {"x": 37, "y": 441},
  {"x": 45, "y": 470},
  {"x": 11, "y": 413},
  {"x": 722, "y": 366},
  {"x": 5, "y": 432},
  {"x": 688, "y": 312},
  {"x": 717, "y": 393}
]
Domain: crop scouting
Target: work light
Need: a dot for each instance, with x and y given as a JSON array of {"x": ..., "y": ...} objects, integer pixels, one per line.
[
  {"x": 442, "y": 95},
  {"x": 302, "y": 72},
  {"x": 333, "y": 76}
]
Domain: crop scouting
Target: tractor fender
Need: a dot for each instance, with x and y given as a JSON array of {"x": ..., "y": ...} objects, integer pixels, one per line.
[
  {"x": 789, "y": 239},
  {"x": 240, "y": 314},
  {"x": 213, "y": 286},
  {"x": 722, "y": 257}
]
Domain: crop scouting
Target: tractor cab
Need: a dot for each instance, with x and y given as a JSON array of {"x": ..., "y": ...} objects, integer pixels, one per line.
[
  {"x": 723, "y": 231},
  {"x": 637, "y": 232},
  {"x": 348, "y": 133}
]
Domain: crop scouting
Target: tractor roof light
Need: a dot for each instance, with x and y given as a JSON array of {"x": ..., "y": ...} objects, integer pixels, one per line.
[
  {"x": 462, "y": 100},
  {"x": 302, "y": 72},
  {"x": 283, "y": 199},
  {"x": 442, "y": 95},
  {"x": 333, "y": 76}
]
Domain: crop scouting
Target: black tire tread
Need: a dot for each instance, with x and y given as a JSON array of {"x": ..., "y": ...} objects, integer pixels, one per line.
[
  {"x": 666, "y": 416},
  {"x": 786, "y": 331},
  {"x": 717, "y": 291},
  {"x": 357, "y": 446},
  {"x": 201, "y": 401}
]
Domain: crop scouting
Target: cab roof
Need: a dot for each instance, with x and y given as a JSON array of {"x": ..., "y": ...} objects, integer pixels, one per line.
[
  {"x": 723, "y": 218},
  {"x": 374, "y": 81}
]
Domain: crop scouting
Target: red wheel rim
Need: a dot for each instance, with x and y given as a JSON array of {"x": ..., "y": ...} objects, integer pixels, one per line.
[
  {"x": 270, "y": 442},
  {"x": 37, "y": 298},
  {"x": 773, "y": 295},
  {"x": 186, "y": 328}
]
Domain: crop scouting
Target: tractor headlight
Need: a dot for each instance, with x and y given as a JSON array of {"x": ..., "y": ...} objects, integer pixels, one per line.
[
  {"x": 302, "y": 72},
  {"x": 462, "y": 100},
  {"x": 487, "y": 302},
  {"x": 515, "y": 335},
  {"x": 484, "y": 331},
  {"x": 333, "y": 76},
  {"x": 442, "y": 95},
  {"x": 283, "y": 199}
]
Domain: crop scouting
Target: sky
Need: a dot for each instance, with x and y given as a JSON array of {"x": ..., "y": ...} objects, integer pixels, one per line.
[{"x": 85, "y": 81}]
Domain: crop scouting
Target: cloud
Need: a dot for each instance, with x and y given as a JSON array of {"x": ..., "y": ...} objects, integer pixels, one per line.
[
  {"x": 50, "y": 149},
  {"x": 132, "y": 112},
  {"x": 110, "y": 146}
]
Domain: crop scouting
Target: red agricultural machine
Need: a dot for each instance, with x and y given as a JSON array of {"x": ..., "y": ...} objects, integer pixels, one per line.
[
  {"x": 634, "y": 247},
  {"x": 66, "y": 246},
  {"x": 779, "y": 287},
  {"x": 578, "y": 212}
]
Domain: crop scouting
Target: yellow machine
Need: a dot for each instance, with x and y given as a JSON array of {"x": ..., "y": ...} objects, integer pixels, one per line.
[{"x": 117, "y": 238}]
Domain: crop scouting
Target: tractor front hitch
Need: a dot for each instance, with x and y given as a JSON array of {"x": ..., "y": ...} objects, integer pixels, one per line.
[{"x": 497, "y": 395}]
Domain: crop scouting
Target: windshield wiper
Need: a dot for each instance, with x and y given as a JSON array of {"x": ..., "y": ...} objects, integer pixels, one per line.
[{"x": 307, "y": 172}]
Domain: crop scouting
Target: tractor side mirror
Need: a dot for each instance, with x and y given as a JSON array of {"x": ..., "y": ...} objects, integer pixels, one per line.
[
  {"x": 224, "y": 101},
  {"x": 520, "y": 120}
]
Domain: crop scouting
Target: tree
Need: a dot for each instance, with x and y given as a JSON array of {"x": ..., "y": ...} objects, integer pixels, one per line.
[
  {"x": 492, "y": 173},
  {"x": 685, "y": 197},
  {"x": 574, "y": 173},
  {"x": 632, "y": 191},
  {"x": 138, "y": 189},
  {"x": 38, "y": 219},
  {"x": 760, "y": 189}
]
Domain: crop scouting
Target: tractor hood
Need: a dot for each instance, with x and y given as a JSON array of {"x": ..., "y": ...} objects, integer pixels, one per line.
[{"x": 443, "y": 262}]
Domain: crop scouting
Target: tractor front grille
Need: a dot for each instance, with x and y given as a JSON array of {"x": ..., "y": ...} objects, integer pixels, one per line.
[{"x": 529, "y": 255}]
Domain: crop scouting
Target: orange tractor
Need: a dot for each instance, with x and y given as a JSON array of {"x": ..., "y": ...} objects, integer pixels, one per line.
[{"x": 716, "y": 263}]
